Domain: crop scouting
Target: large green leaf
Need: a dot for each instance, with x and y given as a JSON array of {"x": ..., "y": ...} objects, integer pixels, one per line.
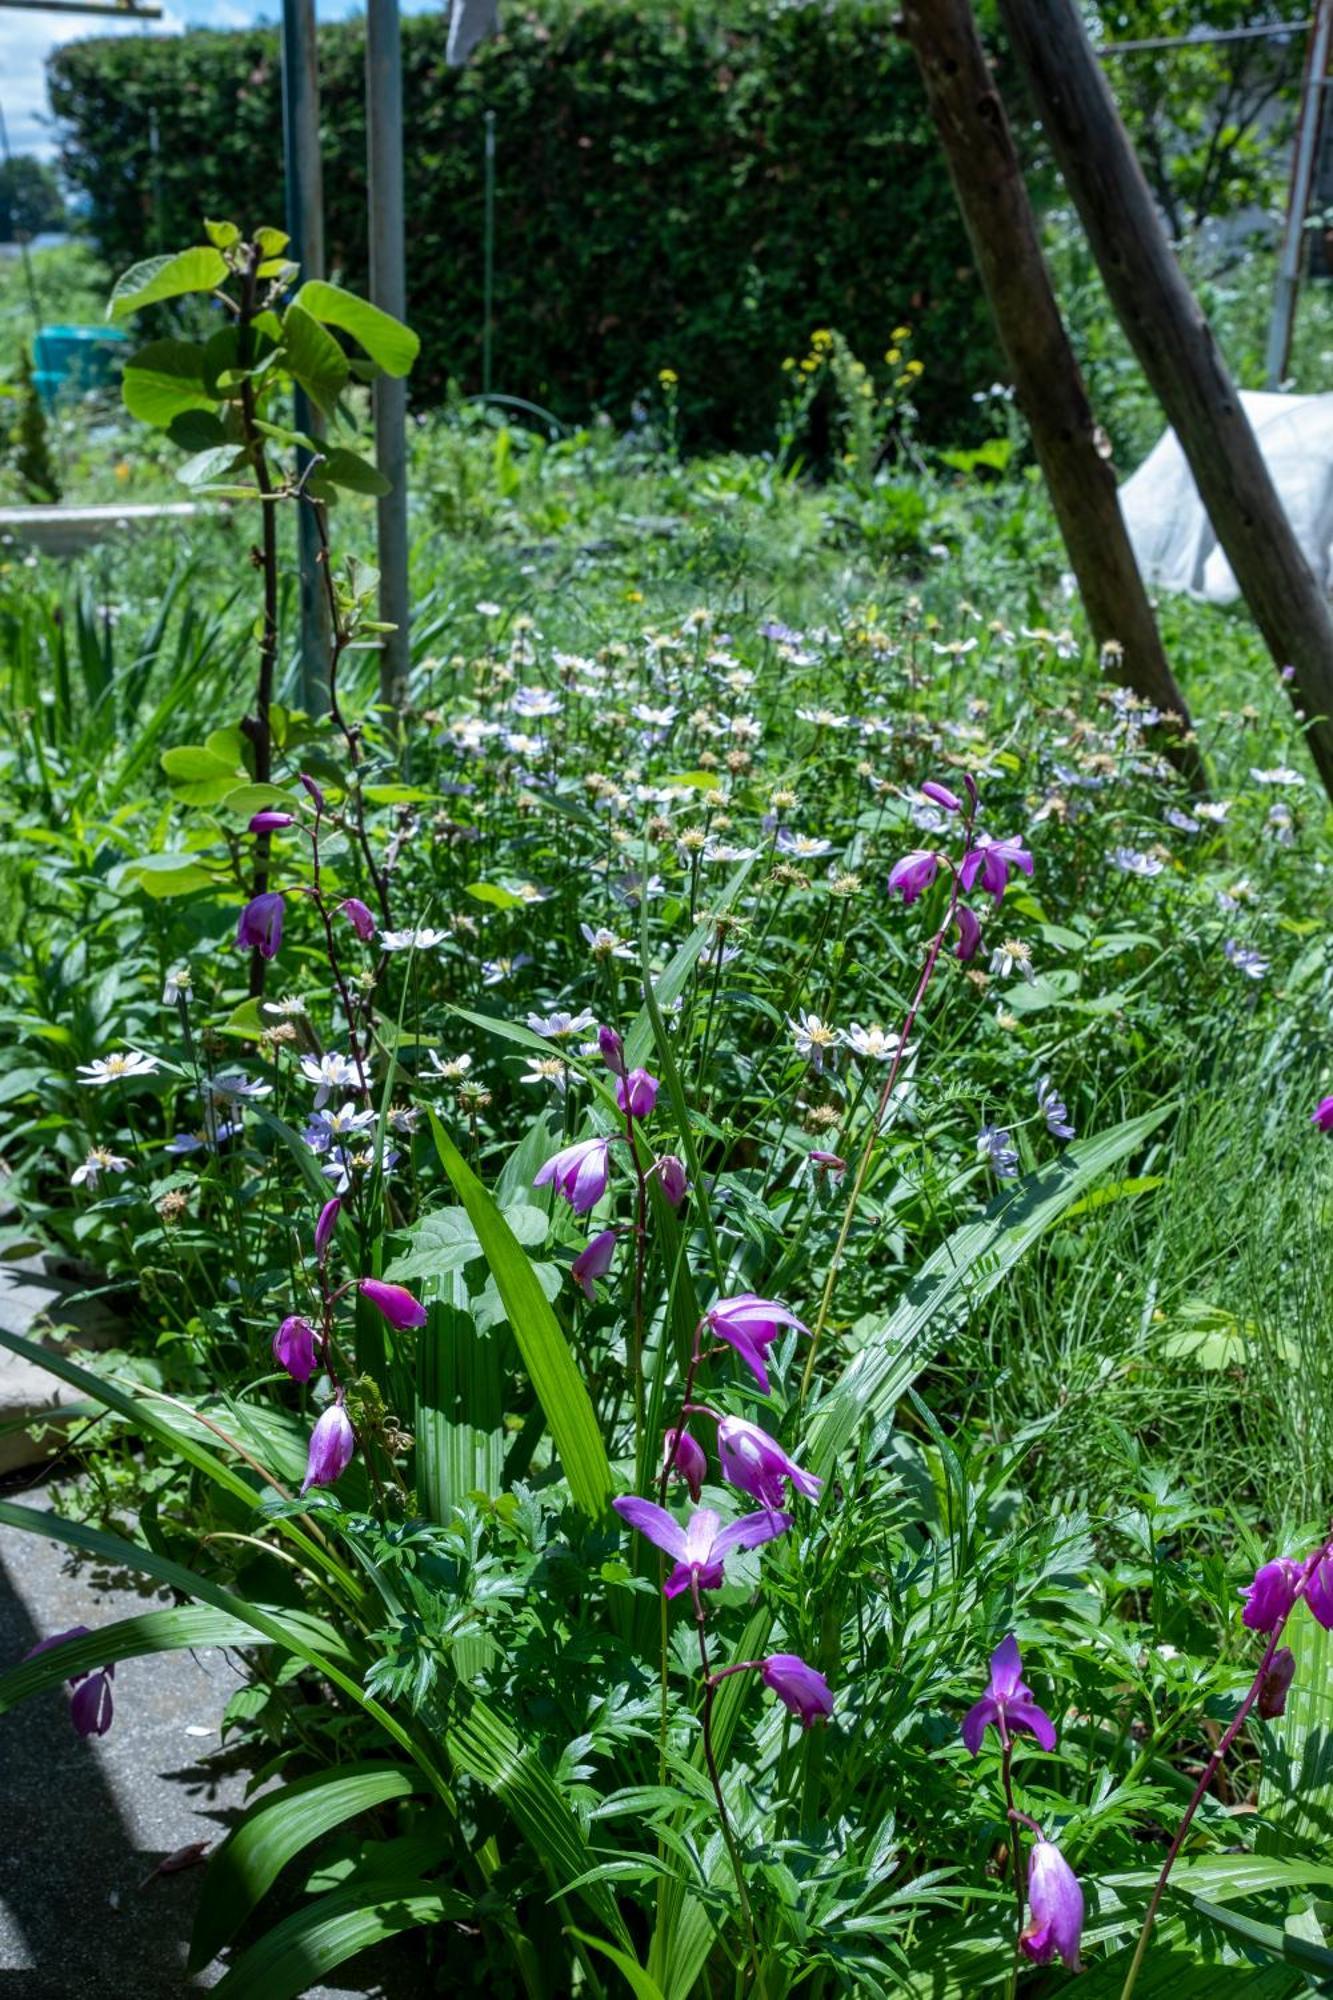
[
  {"x": 1296, "y": 1791},
  {"x": 201, "y": 269},
  {"x": 275, "y": 1829},
  {"x": 390, "y": 345},
  {"x": 165, "y": 380},
  {"x": 552, "y": 1369},
  {"x": 314, "y": 358},
  {"x": 295, "y": 1954},
  {"x": 955, "y": 1278}
]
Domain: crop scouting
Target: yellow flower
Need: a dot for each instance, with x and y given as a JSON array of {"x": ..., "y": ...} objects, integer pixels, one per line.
[
  {"x": 667, "y": 377},
  {"x": 122, "y": 471},
  {"x": 915, "y": 368},
  {"x": 634, "y": 597},
  {"x": 789, "y": 364},
  {"x": 900, "y": 333},
  {"x": 894, "y": 356}
]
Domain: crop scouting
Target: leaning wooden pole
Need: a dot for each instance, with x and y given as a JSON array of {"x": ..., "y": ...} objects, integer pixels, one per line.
[
  {"x": 988, "y": 181},
  {"x": 1178, "y": 354}
]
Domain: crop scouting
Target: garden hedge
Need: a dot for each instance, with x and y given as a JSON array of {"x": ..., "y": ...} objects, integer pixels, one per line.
[{"x": 695, "y": 189}]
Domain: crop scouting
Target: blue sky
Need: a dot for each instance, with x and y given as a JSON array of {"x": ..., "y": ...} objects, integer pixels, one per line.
[{"x": 27, "y": 39}]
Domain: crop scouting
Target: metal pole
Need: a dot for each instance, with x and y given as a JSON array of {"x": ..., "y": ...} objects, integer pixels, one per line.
[
  {"x": 304, "y": 180},
  {"x": 388, "y": 290},
  {"x": 1298, "y": 200},
  {"x": 488, "y": 282}
]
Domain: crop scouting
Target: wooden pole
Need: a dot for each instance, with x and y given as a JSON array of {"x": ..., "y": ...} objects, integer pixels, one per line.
[
  {"x": 388, "y": 289},
  {"x": 1178, "y": 354},
  {"x": 988, "y": 181},
  {"x": 1295, "y": 247},
  {"x": 304, "y": 178}
]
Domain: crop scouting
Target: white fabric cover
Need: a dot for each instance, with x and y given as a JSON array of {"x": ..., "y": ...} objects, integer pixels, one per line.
[
  {"x": 1172, "y": 535},
  {"x": 470, "y": 22}
]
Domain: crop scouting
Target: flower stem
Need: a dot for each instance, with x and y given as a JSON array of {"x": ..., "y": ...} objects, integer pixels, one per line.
[{"x": 724, "y": 1818}]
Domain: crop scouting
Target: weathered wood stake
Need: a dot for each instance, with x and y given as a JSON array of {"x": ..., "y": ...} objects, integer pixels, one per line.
[
  {"x": 1178, "y": 354},
  {"x": 988, "y": 181}
]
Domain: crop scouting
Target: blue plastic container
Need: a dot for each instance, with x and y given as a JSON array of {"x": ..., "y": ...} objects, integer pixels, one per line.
[{"x": 71, "y": 360}]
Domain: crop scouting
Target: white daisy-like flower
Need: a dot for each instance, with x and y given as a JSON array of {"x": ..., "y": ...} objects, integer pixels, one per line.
[
  {"x": 801, "y": 846},
  {"x": 814, "y": 1039},
  {"x": 604, "y": 943},
  {"x": 110, "y": 1069},
  {"x": 1281, "y": 774},
  {"x": 101, "y": 1160},
  {"x": 1010, "y": 957},
  {"x": 177, "y": 985},
  {"x": 424, "y": 939},
  {"x": 548, "y": 1070},
  {"x": 453, "y": 1068},
  {"x": 328, "y": 1073},
  {"x": 232, "y": 1087},
  {"x": 559, "y": 1025},
  {"x": 876, "y": 1044}
]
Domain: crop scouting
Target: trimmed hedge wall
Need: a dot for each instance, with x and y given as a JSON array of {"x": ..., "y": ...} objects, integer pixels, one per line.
[{"x": 687, "y": 188}]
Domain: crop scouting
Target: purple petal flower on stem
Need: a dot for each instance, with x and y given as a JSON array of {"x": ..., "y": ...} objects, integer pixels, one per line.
[
  {"x": 969, "y": 932},
  {"x": 751, "y": 1325},
  {"x": 1270, "y": 1597},
  {"x": 324, "y": 1228},
  {"x": 578, "y": 1172},
  {"x": 992, "y": 860},
  {"x": 942, "y": 796},
  {"x": 593, "y": 1262},
  {"x": 91, "y": 1708},
  {"x": 397, "y": 1305},
  {"x": 271, "y": 822},
  {"x": 260, "y": 925},
  {"x": 1273, "y": 1687},
  {"x": 58, "y": 1639},
  {"x": 1322, "y": 1115},
  {"x": 1055, "y": 1908},
  {"x": 758, "y": 1465},
  {"x": 687, "y": 1458},
  {"x": 700, "y": 1549},
  {"x": 636, "y": 1094},
  {"x": 1007, "y": 1703},
  {"x": 1318, "y": 1595},
  {"x": 805, "y": 1692},
  {"x": 294, "y": 1348},
  {"x": 359, "y": 917},
  {"x": 913, "y": 873},
  {"x": 332, "y": 1443},
  {"x": 613, "y": 1050},
  {"x": 313, "y": 789},
  {"x": 673, "y": 1179}
]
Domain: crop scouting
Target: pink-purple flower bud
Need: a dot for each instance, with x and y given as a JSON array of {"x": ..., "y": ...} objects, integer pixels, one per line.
[
  {"x": 831, "y": 1164},
  {"x": 942, "y": 796},
  {"x": 636, "y": 1094},
  {"x": 294, "y": 1348},
  {"x": 1322, "y": 1115},
  {"x": 1055, "y": 1908},
  {"x": 327, "y": 1223},
  {"x": 260, "y": 925},
  {"x": 313, "y": 789},
  {"x": 1318, "y": 1594},
  {"x": 271, "y": 822},
  {"x": 1270, "y": 1597},
  {"x": 672, "y": 1178},
  {"x": 687, "y": 1459},
  {"x": 613, "y": 1050},
  {"x": 803, "y": 1690},
  {"x": 757, "y": 1464},
  {"x": 593, "y": 1262},
  {"x": 969, "y": 932},
  {"x": 359, "y": 917},
  {"x": 1273, "y": 1688},
  {"x": 397, "y": 1305},
  {"x": 91, "y": 1707},
  {"x": 332, "y": 1443}
]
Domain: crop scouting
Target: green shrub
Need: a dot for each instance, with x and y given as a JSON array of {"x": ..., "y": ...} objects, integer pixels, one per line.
[{"x": 696, "y": 189}]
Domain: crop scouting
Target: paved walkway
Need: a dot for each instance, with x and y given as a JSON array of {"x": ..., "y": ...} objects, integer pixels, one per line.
[{"x": 83, "y": 1824}]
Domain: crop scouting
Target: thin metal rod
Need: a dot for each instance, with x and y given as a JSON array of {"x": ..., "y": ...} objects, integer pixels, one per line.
[
  {"x": 388, "y": 290},
  {"x": 304, "y": 182},
  {"x": 1266, "y": 31},
  {"x": 1298, "y": 200},
  {"x": 488, "y": 281},
  {"x": 129, "y": 12}
]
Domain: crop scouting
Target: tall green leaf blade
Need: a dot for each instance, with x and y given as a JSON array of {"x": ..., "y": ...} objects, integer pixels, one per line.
[
  {"x": 552, "y": 1369},
  {"x": 962, "y": 1272},
  {"x": 295, "y": 1954},
  {"x": 275, "y": 1830}
]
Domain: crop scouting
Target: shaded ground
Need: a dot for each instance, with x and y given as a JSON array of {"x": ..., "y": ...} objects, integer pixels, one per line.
[{"x": 83, "y": 1824}]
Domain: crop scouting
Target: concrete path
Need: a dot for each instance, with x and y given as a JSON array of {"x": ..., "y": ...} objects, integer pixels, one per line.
[{"x": 83, "y": 1824}]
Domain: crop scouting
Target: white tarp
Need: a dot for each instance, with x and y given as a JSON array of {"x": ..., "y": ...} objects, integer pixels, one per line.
[{"x": 1172, "y": 535}]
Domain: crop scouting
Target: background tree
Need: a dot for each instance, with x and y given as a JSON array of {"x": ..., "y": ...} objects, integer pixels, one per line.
[{"x": 30, "y": 198}]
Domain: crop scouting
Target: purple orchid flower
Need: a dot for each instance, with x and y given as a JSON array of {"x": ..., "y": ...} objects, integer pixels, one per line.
[
  {"x": 758, "y": 1465},
  {"x": 593, "y": 1262},
  {"x": 325, "y": 1226},
  {"x": 1322, "y": 1115},
  {"x": 1007, "y": 1702},
  {"x": 913, "y": 874},
  {"x": 313, "y": 789},
  {"x": 613, "y": 1051},
  {"x": 332, "y": 1443},
  {"x": 805, "y": 1692},
  {"x": 1270, "y": 1597},
  {"x": 578, "y": 1172},
  {"x": 672, "y": 1179},
  {"x": 260, "y": 925},
  {"x": 969, "y": 932},
  {"x": 942, "y": 796},
  {"x": 687, "y": 1458},
  {"x": 1275, "y": 1684},
  {"x": 751, "y": 1325},
  {"x": 271, "y": 822},
  {"x": 1055, "y": 1908},
  {"x": 1318, "y": 1594},
  {"x": 359, "y": 917},
  {"x": 294, "y": 1348},
  {"x": 992, "y": 859},
  {"x": 91, "y": 1706},
  {"x": 700, "y": 1549},
  {"x": 636, "y": 1094},
  {"x": 397, "y": 1304}
]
